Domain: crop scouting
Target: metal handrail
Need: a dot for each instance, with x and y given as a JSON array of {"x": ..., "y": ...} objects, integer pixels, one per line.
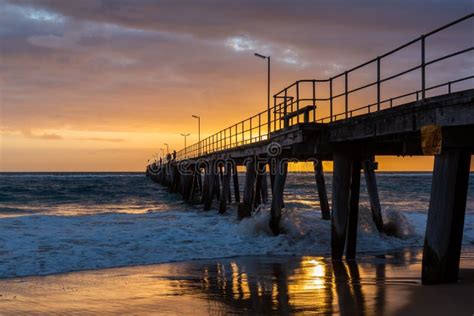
[{"x": 290, "y": 99}]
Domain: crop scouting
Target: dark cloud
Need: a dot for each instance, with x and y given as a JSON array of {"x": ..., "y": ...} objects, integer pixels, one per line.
[{"x": 129, "y": 65}]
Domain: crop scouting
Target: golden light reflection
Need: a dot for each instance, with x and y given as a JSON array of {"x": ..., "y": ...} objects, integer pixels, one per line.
[
  {"x": 245, "y": 286},
  {"x": 235, "y": 279},
  {"x": 316, "y": 272},
  {"x": 241, "y": 286}
]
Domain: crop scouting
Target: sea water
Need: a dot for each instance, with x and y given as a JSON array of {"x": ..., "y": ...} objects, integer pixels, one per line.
[{"x": 60, "y": 222}]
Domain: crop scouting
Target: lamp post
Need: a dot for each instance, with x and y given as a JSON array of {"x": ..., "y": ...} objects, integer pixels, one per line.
[
  {"x": 199, "y": 133},
  {"x": 185, "y": 135},
  {"x": 268, "y": 89},
  {"x": 167, "y": 148},
  {"x": 162, "y": 152}
]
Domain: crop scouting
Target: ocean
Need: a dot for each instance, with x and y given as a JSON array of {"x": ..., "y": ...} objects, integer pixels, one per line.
[{"x": 61, "y": 222}]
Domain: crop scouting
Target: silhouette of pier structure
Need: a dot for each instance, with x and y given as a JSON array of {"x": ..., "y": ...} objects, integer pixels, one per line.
[{"x": 317, "y": 120}]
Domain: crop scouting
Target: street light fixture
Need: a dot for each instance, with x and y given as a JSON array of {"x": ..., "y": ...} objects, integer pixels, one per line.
[
  {"x": 199, "y": 133},
  {"x": 268, "y": 90},
  {"x": 185, "y": 135}
]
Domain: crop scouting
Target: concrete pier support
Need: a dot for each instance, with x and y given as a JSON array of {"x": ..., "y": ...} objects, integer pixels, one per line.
[
  {"x": 208, "y": 186},
  {"x": 217, "y": 183},
  {"x": 353, "y": 210},
  {"x": 371, "y": 182},
  {"x": 446, "y": 213},
  {"x": 264, "y": 186},
  {"x": 281, "y": 170},
  {"x": 235, "y": 179},
  {"x": 341, "y": 185},
  {"x": 258, "y": 192},
  {"x": 186, "y": 180},
  {"x": 225, "y": 189},
  {"x": 261, "y": 177},
  {"x": 322, "y": 193},
  {"x": 245, "y": 208},
  {"x": 175, "y": 179},
  {"x": 194, "y": 183}
]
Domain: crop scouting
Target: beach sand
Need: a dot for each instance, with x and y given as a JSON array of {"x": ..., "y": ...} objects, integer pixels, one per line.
[{"x": 386, "y": 284}]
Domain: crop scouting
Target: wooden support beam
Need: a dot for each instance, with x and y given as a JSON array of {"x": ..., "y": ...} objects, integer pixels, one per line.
[
  {"x": 353, "y": 210},
  {"x": 235, "y": 178},
  {"x": 204, "y": 186},
  {"x": 272, "y": 177},
  {"x": 207, "y": 193},
  {"x": 194, "y": 184},
  {"x": 321, "y": 186},
  {"x": 340, "y": 203},
  {"x": 217, "y": 183},
  {"x": 175, "y": 177},
  {"x": 446, "y": 214},
  {"x": 258, "y": 186},
  {"x": 371, "y": 183},
  {"x": 198, "y": 179},
  {"x": 225, "y": 192},
  {"x": 245, "y": 208},
  {"x": 264, "y": 186},
  {"x": 186, "y": 179},
  {"x": 281, "y": 170}
]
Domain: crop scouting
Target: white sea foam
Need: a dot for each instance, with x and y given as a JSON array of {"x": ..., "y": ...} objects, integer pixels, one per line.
[
  {"x": 42, "y": 244},
  {"x": 60, "y": 223}
]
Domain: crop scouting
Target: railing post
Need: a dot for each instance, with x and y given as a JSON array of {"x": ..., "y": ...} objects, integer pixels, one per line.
[
  {"x": 259, "y": 127},
  {"x": 423, "y": 67},
  {"x": 284, "y": 110},
  {"x": 449, "y": 87},
  {"x": 346, "y": 95},
  {"x": 243, "y": 134},
  {"x": 297, "y": 101},
  {"x": 274, "y": 116},
  {"x": 330, "y": 98},
  {"x": 378, "y": 84},
  {"x": 314, "y": 101},
  {"x": 250, "y": 130}
]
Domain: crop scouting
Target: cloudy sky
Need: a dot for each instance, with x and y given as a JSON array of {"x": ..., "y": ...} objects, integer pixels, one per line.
[{"x": 102, "y": 84}]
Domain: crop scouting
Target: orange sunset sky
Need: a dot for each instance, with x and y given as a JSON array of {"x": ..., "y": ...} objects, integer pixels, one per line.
[{"x": 101, "y": 85}]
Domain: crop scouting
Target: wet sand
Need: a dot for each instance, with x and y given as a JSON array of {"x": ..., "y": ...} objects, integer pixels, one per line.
[{"x": 386, "y": 284}]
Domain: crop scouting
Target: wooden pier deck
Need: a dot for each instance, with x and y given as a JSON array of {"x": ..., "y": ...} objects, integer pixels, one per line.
[{"x": 304, "y": 124}]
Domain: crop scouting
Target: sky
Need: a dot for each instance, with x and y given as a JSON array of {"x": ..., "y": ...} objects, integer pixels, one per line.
[{"x": 101, "y": 85}]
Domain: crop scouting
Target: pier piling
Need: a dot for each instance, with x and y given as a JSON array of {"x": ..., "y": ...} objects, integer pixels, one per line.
[
  {"x": 225, "y": 193},
  {"x": 281, "y": 170},
  {"x": 446, "y": 213},
  {"x": 341, "y": 185},
  {"x": 235, "y": 179},
  {"x": 245, "y": 208},
  {"x": 353, "y": 210},
  {"x": 369, "y": 173},
  {"x": 207, "y": 193},
  {"x": 321, "y": 186}
]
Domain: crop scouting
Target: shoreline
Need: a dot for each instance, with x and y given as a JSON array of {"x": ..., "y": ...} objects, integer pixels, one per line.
[
  {"x": 323, "y": 255},
  {"x": 385, "y": 282}
]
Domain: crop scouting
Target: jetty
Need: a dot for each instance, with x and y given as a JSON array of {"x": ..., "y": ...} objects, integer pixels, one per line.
[{"x": 349, "y": 119}]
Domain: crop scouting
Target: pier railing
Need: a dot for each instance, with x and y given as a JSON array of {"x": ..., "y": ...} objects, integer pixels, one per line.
[{"x": 324, "y": 101}]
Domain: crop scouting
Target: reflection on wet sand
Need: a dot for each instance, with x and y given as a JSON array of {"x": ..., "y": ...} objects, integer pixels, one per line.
[
  {"x": 288, "y": 286},
  {"x": 385, "y": 284}
]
